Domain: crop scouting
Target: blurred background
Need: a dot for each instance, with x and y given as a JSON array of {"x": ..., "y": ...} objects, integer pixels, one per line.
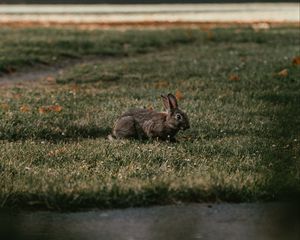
[
  {"x": 149, "y": 12},
  {"x": 135, "y": 1}
]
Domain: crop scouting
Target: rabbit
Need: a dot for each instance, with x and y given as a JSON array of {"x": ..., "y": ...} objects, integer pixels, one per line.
[{"x": 149, "y": 124}]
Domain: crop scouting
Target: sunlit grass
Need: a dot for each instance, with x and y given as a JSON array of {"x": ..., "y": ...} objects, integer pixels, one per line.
[{"x": 243, "y": 144}]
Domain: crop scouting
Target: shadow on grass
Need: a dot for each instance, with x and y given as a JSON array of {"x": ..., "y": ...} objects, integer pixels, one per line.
[
  {"x": 282, "y": 156},
  {"x": 71, "y": 133}
]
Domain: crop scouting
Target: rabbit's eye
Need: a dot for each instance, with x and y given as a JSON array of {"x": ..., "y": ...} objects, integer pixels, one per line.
[{"x": 178, "y": 116}]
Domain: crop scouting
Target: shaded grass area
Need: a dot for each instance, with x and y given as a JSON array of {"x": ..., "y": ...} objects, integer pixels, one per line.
[{"x": 243, "y": 144}]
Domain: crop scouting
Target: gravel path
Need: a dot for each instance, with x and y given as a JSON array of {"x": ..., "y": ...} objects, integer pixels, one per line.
[{"x": 195, "y": 221}]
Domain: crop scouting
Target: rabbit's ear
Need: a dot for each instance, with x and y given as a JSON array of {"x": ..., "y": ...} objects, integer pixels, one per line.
[
  {"x": 172, "y": 101},
  {"x": 166, "y": 102}
]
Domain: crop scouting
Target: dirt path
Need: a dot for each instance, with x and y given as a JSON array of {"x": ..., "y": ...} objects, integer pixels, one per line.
[
  {"x": 45, "y": 72},
  {"x": 195, "y": 221},
  {"x": 104, "y": 15},
  {"x": 42, "y": 73},
  {"x": 28, "y": 76}
]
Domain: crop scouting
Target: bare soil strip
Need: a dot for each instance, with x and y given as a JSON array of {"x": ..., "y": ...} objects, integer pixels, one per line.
[
  {"x": 149, "y": 15},
  {"x": 195, "y": 221},
  {"x": 146, "y": 24}
]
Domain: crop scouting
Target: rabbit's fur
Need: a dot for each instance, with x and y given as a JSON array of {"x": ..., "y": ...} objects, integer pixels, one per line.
[{"x": 146, "y": 123}]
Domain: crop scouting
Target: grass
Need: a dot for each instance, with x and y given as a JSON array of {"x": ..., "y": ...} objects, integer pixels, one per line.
[
  {"x": 244, "y": 141},
  {"x": 20, "y": 49}
]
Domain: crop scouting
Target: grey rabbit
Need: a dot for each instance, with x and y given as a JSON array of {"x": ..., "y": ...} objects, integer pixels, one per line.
[{"x": 149, "y": 124}]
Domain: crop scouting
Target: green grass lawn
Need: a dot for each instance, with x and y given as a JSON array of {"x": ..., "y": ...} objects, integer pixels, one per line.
[
  {"x": 25, "y": 48},
  {"x": 244, "y": 141}
]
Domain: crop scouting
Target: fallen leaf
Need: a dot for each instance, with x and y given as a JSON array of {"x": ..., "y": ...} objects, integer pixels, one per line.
[
  {"x": 4, "y": 106},
  {"x": 260, "y": 26},
  {"x": 52, "y": 108},
  {"x": 210, "y": 35},
  {"x": 283, "y": 73},
  {"x": 43, "y": 110},
  {"x": 126, "y": 47},
  {"x": 24, "y": 108},
  {"x": 16, "y": 96},
  {"x": 243, "y": 59},
  {"x": 161, "y": 84},
  {"x": 178, "y": 95},
  {"x": 75, "y": 88},
  {"x": 50, "y": 79},
  {"x": 56, "y": 152},
  {"x": 56, "y": 108},
  {"x": 296, "y": 60},
  {"x": 187, "y": 138},
  {"x": 234, "y": 77},
  {"x": 9, "y": 69}
]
